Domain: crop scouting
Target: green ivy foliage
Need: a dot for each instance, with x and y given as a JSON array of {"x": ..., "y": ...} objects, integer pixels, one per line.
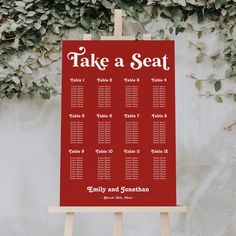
[{"x": 31, "y": 32}]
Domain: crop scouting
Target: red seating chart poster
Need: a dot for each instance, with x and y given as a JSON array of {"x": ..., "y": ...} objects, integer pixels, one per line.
[{"x": 118, "y": 123}]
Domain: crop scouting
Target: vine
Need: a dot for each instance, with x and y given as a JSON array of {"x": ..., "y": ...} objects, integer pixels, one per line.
[{"x": 31, "y": 32}]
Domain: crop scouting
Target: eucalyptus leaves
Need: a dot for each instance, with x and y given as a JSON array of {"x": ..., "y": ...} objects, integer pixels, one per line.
[
  {"x": 228, "y": 56},
  {"x": 31, "y": 33}
]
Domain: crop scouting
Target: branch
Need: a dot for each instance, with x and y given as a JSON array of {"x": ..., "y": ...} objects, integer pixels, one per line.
[
  {"x": 209, "y": 94},
  {"x": 230, "y": 126},
  {"x": 13, "y": 38},
  {"x": 192, "y": 76}
]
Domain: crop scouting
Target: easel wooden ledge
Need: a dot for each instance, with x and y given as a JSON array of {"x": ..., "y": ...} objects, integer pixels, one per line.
[
  {"x": 118, "y": 212},
  {"x": 164, "y": 211}
]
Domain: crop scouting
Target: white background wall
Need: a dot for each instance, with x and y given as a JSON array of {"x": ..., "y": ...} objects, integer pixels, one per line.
[{"x": 206, "y": 162}]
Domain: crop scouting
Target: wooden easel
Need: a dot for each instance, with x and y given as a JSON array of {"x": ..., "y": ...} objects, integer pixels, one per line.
[{"x": 118, "y": 211}]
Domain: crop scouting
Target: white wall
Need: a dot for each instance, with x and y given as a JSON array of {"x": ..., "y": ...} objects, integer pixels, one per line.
[{"x": 206, "y": 162}]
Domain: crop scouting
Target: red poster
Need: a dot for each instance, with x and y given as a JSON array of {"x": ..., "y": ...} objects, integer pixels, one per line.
[{"x": 118, "y": 124}]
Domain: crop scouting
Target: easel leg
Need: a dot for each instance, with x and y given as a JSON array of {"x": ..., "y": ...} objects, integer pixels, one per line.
[
  {"x": 69, "y": 220},
  {"x": 118, "y": 224},
  {"x": 165, "y": 231}
]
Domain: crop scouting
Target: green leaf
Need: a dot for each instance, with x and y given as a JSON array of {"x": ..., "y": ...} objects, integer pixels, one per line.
[
  {"x": 15, "y": 79},
  {"x": 85, "y": 22},
  {"x": 218, "y": 4},
  {"x": 10, "y": 94},
  {"x": 180, "y": 2},
  {"x": 198, "y": 85},
  {"x": 229, "y": 72},
  {"x": 217, "y": 85},
  {"x": 179, "y": 29},
  {"x": 138, "y": 8},
  {"x": 20, "y": 3},
  {"x": 44, "y": 17},
  {"x": 190, "y": 26},
  {"x": 199, "y": 34},
  {"x": 4, "y": 86},
  {"x": 44, "y": 61},
  {"x": 200, "y": 57},
  {"x": 45, "y": 93},
  {"x": 54, "y": 56},
  {"x": 218, "y": 99},
  {"x": 227, "y": 50},
  {"x": 200, "y": 15},
  {"x": 39, "y": 10},
  {"x": 16, "y": 43},
  {"x": 31, "y": 13},
  {"x": 37, "y": 25},
  {"x": 56, "y": 28},
  {"x": 27, "y": 70},
  {"x": 13, "y": 64},
  {"x": 107, "y": 4},
  {"x": 223, "y": 12},
  {"x": 20, "y": 9},
  {"x": 232, "y": 12},
  {"x": 29, "y": 21},
  {"x": 43, "y": 30},
  {"x": 162, "y": 34},
  {"x": 29, "y": 6},
  {"x": 154, "y": 11},
  {"x": 167, "y": 12}
]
